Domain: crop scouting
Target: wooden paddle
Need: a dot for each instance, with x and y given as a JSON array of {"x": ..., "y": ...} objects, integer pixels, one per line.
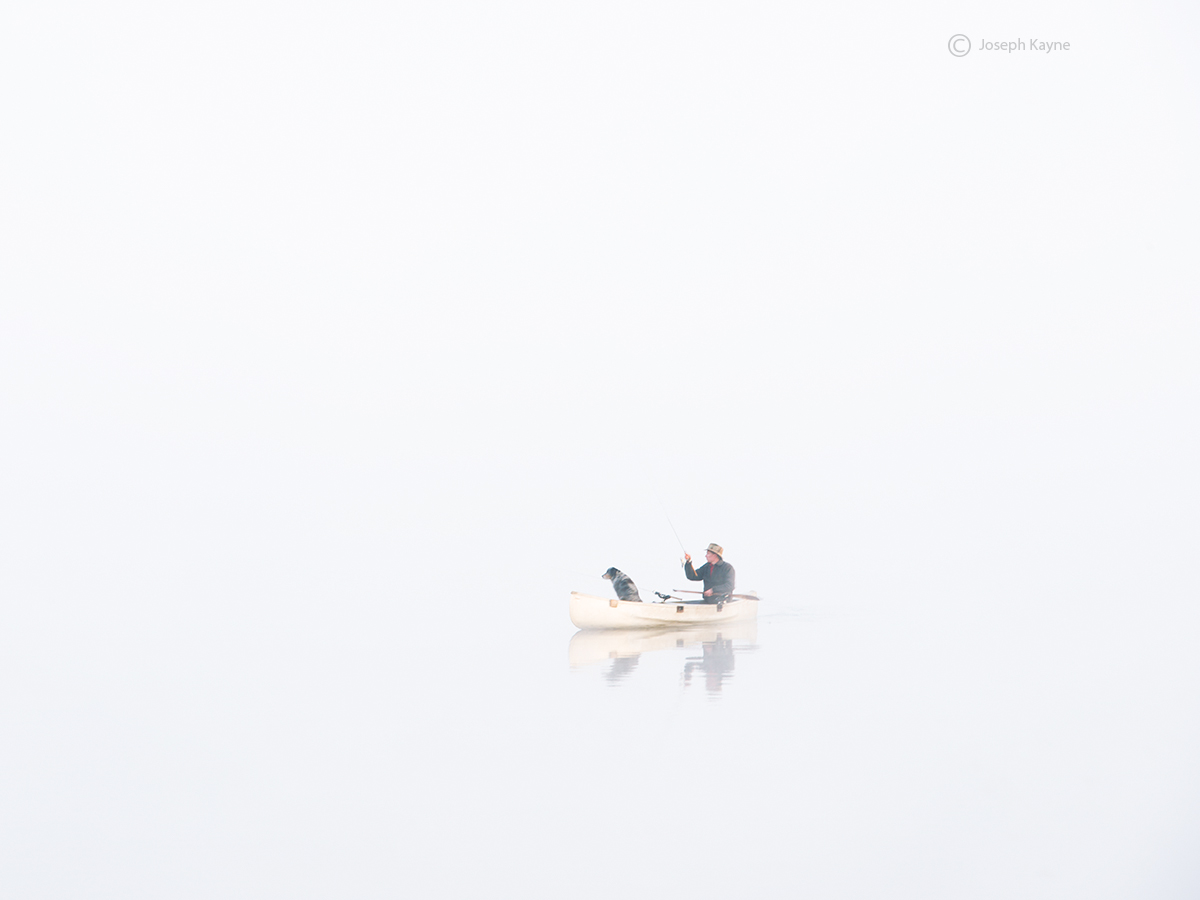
[{"x": 735, "y": 596}]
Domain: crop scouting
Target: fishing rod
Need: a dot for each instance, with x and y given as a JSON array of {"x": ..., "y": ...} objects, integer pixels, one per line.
[
  {"x": 669, "y": 522},
  {"x": 649, "y": 482}
]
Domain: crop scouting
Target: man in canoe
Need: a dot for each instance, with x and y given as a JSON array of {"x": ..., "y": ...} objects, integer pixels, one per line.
[{"x": 717, "y": 575}]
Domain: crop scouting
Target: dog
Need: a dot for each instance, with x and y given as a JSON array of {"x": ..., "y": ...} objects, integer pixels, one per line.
[{"x": 623, "y": 585}]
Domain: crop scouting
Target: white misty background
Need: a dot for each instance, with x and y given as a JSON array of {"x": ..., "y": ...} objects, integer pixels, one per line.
[{"x": 338, "y": 343}]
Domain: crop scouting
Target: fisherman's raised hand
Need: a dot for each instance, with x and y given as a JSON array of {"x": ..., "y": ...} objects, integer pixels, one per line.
[{"x": 687, "y": 556}]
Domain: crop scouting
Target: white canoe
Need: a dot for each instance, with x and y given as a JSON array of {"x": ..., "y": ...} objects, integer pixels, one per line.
[{"x": 588, "y": 611}]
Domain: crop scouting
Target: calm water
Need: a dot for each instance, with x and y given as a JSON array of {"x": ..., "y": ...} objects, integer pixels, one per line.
[
  {"x": 709, "y": 655},
  {"x": 927, "y": 753},
  {"x": 248, "y": 690}
]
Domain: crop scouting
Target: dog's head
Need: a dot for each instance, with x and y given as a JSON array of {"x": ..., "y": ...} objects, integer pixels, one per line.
[{"x": 612, "y": 573}]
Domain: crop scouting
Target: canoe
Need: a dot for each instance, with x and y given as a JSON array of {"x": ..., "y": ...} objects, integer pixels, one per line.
[{"x": 588, "y": 611}]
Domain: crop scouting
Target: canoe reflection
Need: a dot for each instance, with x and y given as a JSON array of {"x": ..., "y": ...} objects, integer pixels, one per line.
[{"x": 715, "y": 664}]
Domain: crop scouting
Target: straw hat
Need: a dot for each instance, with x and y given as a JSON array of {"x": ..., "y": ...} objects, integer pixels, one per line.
[{"x": 717, "y": 549}]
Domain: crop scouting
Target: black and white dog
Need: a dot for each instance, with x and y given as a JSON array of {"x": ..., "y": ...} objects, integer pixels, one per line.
[{"x": 623, "y": 585}]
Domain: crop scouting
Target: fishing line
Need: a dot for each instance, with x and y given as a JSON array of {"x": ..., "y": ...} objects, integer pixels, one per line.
[
  {"x": 667, "y": 516},
  {"x": 672, "y": 524},
  {"x": 663, "y": 507}
]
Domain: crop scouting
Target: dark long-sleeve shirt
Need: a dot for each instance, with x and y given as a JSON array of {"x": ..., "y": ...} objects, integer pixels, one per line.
[{"x": 719, "y": 577}]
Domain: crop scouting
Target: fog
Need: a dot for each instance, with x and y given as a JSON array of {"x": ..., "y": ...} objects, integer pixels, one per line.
[{"x": 338, "y": 344}]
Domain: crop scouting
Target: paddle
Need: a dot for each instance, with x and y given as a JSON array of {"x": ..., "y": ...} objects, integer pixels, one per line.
[{"x": 735, "y": 596}]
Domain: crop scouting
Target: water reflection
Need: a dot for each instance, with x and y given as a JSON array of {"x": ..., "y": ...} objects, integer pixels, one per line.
[{"x": 623, "y": 649}]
